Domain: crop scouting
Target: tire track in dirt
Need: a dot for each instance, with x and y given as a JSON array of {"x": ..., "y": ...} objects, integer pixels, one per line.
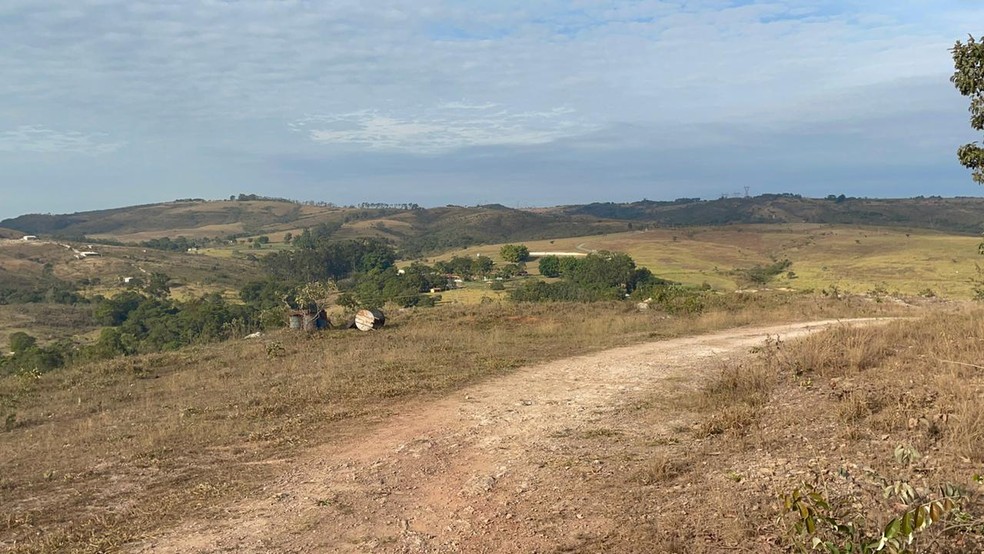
[{"x": 480, "y": 471}]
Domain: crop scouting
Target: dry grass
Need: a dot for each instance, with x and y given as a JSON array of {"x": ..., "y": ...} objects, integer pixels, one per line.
[
  {"x": 98, "y": 455},
  {"x": 850, "y": 258},
  {"x": 851, "y": 410}
]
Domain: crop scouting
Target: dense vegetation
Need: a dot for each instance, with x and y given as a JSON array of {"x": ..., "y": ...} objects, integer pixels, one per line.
[
  {"x": 15, "y": 289},
  {"x": 597, "y": 276},
  {"x": 959, "y": 215},
  {"x": 137, "y": 322}
]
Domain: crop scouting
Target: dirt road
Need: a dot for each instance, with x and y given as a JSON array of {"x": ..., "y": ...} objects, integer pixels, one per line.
[{"x": 505, "y": 466}]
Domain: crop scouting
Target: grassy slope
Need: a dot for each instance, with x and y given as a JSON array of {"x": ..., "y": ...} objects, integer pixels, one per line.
[
  {"x": 23, "y": 263},
  {"x": 852, "y": 258},
  {"x": 101, "y": 454},
  {"x": 420, "y": 228},
  {"x": 192, "y": 219},
  {"x": 833, "y": 411}
]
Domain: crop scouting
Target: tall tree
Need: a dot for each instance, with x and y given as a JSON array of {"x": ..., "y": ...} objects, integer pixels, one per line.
[{"x": 968, "y": 77}]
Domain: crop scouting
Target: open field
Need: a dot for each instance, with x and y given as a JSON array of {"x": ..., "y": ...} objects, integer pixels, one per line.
[
  {"x": 850, "y": 258},
  {"x": 154, "y": 439}
]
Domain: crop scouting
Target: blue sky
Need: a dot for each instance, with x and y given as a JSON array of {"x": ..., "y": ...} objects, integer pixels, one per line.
[{"x": 116, "y": 102}]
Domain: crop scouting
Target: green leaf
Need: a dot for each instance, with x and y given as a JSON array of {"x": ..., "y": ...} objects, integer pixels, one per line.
[
  {"x": 892, "y": 528},
  {"x": 905, "y": 524},
  {"x": 921, "y": 513}
]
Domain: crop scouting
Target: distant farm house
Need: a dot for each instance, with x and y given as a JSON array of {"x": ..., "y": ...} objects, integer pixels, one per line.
[
  {"x": 86, "y": 254},
  {"x": 29, "y": 237}
]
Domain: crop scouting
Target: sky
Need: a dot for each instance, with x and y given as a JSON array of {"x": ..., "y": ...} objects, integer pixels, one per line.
[{"x": 107, "y": 103}]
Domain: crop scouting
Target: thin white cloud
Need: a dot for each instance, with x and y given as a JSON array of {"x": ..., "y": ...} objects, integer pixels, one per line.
[
  {"x": 447, "y": 127},
  {"x": 33, "y": 138},
  {"x": 211, "y": 84}
]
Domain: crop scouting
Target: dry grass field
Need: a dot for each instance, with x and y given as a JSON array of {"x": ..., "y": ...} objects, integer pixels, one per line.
[
  {"x": 96, "y": 456},
  {"x": 876, "y": 420},
  {"x": 850, "y": 258}
]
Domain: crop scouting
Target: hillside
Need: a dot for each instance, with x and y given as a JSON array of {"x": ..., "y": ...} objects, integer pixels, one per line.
[
  {"x": 419, "y": 231},
  {"x": 415, "y": 230},
  {"x": 55, "y": 267},
  {"x": 956, "y": 215}
]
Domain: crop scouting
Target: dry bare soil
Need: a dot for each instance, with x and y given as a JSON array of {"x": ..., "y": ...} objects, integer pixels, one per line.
[{"x": 531, "y": 462}]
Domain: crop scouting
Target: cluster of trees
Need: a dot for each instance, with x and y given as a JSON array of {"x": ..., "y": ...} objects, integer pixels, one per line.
[
  {"x": 139, "y": 323},
  {"x": 385, "y": 206},
  {"x": 598, "y": 276},
  {"x": 313, "y": 236},
  {"x": 253, "y": 197},
  {"x": 363, "y": 270},
  {"x": 465, "y": 267},
  {"x": 181, "y": 243},
  {"x": 515, "y": 253},
  {"x": 48, "y": 289},
  {"x": 26, "y": 355},
  {"x": 325, "y": 260},
  {"x": 762, "y": 274}
]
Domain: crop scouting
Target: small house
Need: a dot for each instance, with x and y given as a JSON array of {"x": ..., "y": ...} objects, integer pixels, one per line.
[{"x": 29, "y": 237}]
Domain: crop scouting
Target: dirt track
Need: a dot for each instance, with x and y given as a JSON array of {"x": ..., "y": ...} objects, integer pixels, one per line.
[{"x": 505, "y": 466}]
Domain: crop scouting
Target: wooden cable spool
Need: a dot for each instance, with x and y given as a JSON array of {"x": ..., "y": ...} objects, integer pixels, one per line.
[{"x": 368, "y": 320}]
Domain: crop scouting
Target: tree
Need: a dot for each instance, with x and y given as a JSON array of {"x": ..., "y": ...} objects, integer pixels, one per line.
[
  {"x": 968, "y": 77},
  {"x": 550, "y": 266},
  {"x": 159, "y": 285},
  {"x": 515, "y": 253}
]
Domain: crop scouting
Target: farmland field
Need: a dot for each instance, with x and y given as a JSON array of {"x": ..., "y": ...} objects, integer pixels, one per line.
[{"x": 848, "y": 258}]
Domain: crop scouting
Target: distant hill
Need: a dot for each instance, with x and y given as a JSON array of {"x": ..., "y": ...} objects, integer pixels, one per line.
[
  {"x": 413, "y": 230},
  {"x": 418, "y": 231},
  {"x": 955, "y": 215},
  {"x": 10, "y": 234},
  {"x": 198, "y": 218}
]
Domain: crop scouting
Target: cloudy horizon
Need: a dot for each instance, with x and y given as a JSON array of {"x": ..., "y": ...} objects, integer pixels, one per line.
[{"x": 110, "y": 103}]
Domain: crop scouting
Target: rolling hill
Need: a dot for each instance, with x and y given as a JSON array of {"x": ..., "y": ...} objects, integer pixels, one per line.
[
  {"x": 414, "y": 230},
  {"x": 418, "y": 231},
  {"x": 956, "y": 215}
]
